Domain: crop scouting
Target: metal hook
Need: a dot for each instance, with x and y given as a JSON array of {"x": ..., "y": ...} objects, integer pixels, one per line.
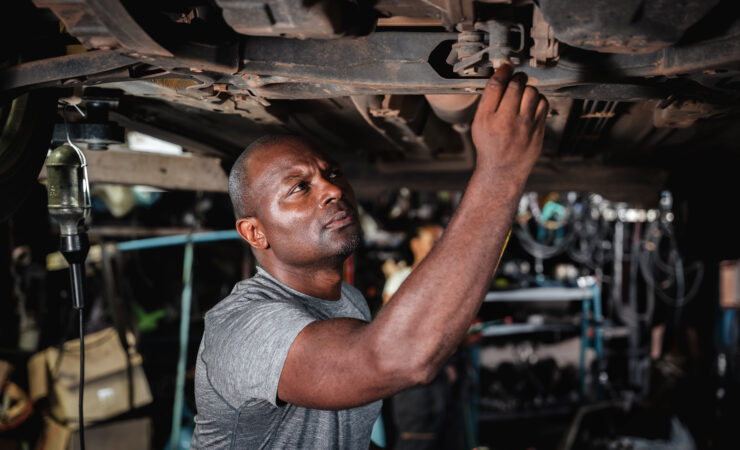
[{"x": 83, "y": 161}]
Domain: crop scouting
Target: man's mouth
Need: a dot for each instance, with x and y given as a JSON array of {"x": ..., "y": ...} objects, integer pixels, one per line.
[{"x": 340, "y": 219}]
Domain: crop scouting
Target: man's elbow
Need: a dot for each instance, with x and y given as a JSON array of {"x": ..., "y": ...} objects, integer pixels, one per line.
[
  {"x": 407, "y": 369},
  {"x": 424, "y": 373}
]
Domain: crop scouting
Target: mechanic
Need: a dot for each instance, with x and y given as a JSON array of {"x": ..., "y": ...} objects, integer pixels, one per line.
[{"x": 290, "y": 359}]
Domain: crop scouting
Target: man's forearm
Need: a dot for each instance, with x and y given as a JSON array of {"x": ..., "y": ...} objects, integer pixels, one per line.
[{"x": 431, "y": 312}]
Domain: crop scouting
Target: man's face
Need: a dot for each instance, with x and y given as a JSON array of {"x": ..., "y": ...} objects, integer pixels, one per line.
[{"x": 305, "y": 205}]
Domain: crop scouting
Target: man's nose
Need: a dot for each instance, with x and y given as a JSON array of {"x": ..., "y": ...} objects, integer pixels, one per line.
[{"x": 329, "y": 192}]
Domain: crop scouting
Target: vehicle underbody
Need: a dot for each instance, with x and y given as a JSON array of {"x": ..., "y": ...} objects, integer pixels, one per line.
[{"x": 388, "y": 88}]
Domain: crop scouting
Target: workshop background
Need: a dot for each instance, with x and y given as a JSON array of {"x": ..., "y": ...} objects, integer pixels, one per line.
[
  {"x": 611, "y": 322},
  {"x": 606, "y": 326}
]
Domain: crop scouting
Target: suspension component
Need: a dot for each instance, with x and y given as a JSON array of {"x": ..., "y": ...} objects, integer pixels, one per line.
[
  {"x": 479, "y": 51},
  {"x": 545, "y": 50}
]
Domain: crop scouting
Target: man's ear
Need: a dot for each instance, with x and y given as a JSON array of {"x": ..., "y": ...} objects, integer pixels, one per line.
[{"x": 250, "y": 229}]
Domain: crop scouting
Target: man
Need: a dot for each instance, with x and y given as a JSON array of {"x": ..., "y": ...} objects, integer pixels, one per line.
[{"x": 289, "y": 360}]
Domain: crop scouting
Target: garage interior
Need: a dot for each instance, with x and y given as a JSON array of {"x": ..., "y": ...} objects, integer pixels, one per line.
[{"x": 610, "y": 323}]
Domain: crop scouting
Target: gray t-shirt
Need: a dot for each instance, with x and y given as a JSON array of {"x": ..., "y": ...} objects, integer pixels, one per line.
[{"x": 246, "y": 340}]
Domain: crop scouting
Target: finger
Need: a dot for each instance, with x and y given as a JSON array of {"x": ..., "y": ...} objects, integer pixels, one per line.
[
  {"x": 513, "y": 95},
  {"x": 530, "y": 100},
  {"x": 543, "y": 107},
  {"x": 495, "y": 88}
]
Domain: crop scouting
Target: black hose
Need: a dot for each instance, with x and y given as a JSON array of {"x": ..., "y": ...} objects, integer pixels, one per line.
[
  {"x": 534, "y": 248},
  {"x": 649, "y": 262}
]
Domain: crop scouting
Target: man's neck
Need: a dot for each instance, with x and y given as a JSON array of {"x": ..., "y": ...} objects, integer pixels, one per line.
[{"x": 320, "y": 282}]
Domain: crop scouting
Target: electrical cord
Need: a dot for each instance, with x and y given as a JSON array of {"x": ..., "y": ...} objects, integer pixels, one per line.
[
  {"x": 82, "y": 381},
  {"x": 76, "y": 272},
  {"x": 676, "y": 275},
  {"x": 587, "y": 246},
  {"x": 590, "y": 231},
  {"x": 529, "y": 210},
  {"x": 538, "y": 250}
]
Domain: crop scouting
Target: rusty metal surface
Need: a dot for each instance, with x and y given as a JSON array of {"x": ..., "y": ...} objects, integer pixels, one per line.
[
  {"x": 214, "y": 98},
  {"x": 80, "y": 21},
  {"x": 381, "y": 62},
  {"x": 401, "y": 63},
  {"x": 214, "y": 90},
  {"x": 60, "y": 68},
  {"x": 103, "y": 24},
  {"x": 683, "y": 113},
  {"x": 258, "y": 69},
  {"x": 322, "y": 19},
  {"x": 545, "y": 50},
  {"x": 447, "y": 12},
  {"x": 406, "y": 62},
  {"x": 627, "y": 26}
]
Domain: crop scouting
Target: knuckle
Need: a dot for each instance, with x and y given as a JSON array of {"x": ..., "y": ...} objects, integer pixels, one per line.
[
  {"x": 495, "y": 83},
  {"x": 516, "y": 84},
  {"x": 497, "y": 79},
  {"x": 505, "y": 70}
]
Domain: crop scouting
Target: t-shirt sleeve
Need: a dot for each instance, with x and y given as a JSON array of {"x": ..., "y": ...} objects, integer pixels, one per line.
[{"x": 245, "y": 351}]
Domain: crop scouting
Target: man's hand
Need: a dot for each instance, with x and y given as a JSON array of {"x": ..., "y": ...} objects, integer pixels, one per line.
[{"x": 509, "y": 126}]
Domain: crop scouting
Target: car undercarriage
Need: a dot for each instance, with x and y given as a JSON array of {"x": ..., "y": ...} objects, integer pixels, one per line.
[{"x": 389, "y": 88}]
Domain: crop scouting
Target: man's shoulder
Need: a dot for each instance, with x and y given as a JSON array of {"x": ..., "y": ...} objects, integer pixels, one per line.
[
  {"x": 357, "y": 299},
  {"x": 258, "y": 291}
]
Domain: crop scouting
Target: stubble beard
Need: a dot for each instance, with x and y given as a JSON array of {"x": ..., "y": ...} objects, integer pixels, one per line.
[
  {"x": 347, "y": 246},
  {"x": 350, "y": 245}
]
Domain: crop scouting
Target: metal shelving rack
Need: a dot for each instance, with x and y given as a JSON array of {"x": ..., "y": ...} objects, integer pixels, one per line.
[{"x": 589, "y": 294}]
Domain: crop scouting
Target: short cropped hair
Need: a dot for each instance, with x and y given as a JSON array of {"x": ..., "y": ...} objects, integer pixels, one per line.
[{"x": 240, "y": 192}]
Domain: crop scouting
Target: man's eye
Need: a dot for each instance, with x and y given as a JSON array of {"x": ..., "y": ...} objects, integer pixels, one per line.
[
  {"x": 336, "y": 173},
  {"x": 302, "y": 186}
]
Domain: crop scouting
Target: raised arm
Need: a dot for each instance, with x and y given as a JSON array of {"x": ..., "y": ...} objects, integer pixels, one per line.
[{"x": 342, "y": 363}]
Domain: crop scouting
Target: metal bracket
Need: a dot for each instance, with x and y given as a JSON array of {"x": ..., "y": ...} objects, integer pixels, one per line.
[{"x": 481, "y": 51}]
